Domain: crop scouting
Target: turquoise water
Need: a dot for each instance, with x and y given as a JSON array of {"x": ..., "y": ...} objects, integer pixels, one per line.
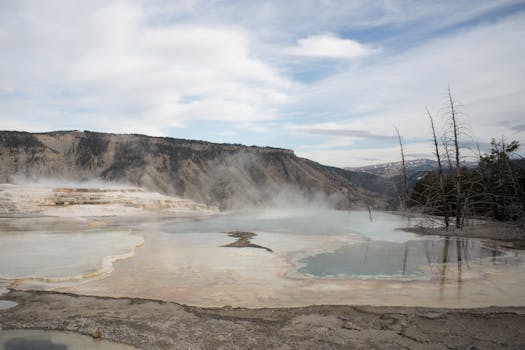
[{"x": 408, "y": 260}]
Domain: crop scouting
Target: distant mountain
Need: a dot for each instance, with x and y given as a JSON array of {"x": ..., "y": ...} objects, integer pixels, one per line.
[
  {"x": 225, "y": 175},
  {"x": 396, "y": 168},
  {"x": 416, "y": 166},
  {"x": 387, "y": 177}
]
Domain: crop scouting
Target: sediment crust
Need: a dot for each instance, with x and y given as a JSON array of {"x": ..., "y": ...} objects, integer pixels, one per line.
[
  {"x": 37, "y": 200},
  {"x": 151, "y": 324}
]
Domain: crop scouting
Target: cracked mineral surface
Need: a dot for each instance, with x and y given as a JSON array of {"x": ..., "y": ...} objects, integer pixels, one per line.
[{"x": 150, "y": 324}]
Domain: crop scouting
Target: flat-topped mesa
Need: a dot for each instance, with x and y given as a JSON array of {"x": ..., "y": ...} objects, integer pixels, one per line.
[
  {"x": 203, "y": 146},
  {"x": 229, "y": 176},
  {"x": 272, "y": 150},
  {"x": 95, "y": 142}
]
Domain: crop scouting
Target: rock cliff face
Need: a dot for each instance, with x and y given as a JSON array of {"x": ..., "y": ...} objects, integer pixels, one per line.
[{"x": 226, "y": 175}]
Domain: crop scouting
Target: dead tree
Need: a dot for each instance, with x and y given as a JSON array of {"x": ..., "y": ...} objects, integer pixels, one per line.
[
  {"x": 441, "y": 174},
  {"x": 404, "y": 172},
  {"x": 446, "y": 148},
  {"x": 455, "y": 131}
]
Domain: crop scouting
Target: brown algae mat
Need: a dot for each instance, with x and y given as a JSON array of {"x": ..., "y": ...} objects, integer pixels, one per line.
[{"x": 244, "y": 241}]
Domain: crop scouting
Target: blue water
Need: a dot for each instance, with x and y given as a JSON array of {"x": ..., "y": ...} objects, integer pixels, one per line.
[{"x": 408, "y": 260}]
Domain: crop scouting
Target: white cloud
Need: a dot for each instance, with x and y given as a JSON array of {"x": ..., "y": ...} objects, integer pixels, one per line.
[
  {"x": 329, "y": 46},
  {"x": 288, "y": 20},
  {"x": 148, "y": 66},
  {"x": 483, "y": 66},
  {"x": 113, "y": 63}
]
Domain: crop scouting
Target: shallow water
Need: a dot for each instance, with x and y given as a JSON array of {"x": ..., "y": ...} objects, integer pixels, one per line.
[
  {"x": 69, "y": 251},
  {"x": 382, "y": 226},
  {"x": 48, "y": 340},
  {"x": 7, "y": 304},
  {"x": 316, "y": 257},
  {"x": 414, "y": 259},
  {"x": 376, "y": 247}
]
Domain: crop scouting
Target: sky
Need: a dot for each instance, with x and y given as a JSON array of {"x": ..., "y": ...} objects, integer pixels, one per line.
[{"x": 330, "y": 80}]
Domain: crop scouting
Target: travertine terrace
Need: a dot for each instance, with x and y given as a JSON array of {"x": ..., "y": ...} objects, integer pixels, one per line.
[{"x": 93, "y": 201}]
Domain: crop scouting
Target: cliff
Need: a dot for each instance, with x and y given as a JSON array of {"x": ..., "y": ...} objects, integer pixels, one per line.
[{"x": 225, "y": 175}]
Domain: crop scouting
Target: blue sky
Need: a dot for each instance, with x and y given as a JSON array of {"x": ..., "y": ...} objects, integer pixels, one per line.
[{"x": 328, "y": 79}]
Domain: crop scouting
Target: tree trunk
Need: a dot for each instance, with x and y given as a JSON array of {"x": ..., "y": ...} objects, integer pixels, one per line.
[
  {"x": 405, "y": 179},
  {"x": 441, "y": 174},
  {"x": 453, "y": 116}
]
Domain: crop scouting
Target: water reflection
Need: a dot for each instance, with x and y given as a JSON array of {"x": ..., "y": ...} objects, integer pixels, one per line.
[
  {"x": 383, "y": 226},
  {"x": 184, "y": 260},
  {"x": 50, "y": 340},
  {"x": 7, "y": 304},
  {"x": 33, "y": 344},
  {"x": 442, "y": 258}
]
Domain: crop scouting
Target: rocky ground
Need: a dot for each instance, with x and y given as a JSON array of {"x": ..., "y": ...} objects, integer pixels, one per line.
[{"x": 149, "y": 324}]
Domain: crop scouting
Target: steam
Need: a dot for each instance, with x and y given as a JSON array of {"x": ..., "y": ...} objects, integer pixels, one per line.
[
  {"x": 245, "y": 181},
  {"x": 291, "y": 197},
  {"x": 229, "y": 179}
]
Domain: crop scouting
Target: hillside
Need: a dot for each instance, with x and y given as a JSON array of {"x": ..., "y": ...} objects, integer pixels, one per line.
[
  {"x": 226, "y": 175},
  {"x": 395, "y": 168},
  {"x": 387, "y": 178}
]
